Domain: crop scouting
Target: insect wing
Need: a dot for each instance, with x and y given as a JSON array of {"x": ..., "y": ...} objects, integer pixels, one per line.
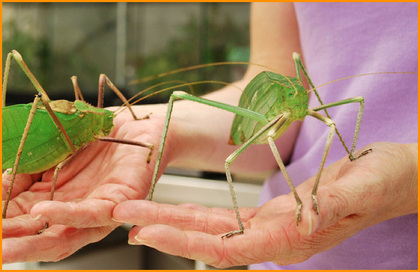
[
  {"x": 43, "y": 147},
  {"x": 261, "y": 95}
]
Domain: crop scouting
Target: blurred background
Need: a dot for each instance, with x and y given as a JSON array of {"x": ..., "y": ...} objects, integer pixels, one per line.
[
  {"x": 129, "y": 41},
  {"x": 126, "y": 41}
]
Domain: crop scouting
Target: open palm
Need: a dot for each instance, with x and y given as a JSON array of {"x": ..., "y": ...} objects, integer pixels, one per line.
[
  {"x": 88, "y": 189},
  {"x": 353, "y": 196}
]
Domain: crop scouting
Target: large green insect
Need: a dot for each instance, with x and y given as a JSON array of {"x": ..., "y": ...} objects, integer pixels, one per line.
[
  {"x": 43, "y": 134},
  {"x": 267, "y": 107}
]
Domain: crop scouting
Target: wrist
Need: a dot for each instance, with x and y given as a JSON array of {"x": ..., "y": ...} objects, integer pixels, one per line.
[
  {"x": 411, "y": 151},
  {"x": 402, "y": 176}
]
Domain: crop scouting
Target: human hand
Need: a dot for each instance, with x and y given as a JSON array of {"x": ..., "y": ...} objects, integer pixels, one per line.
[
  {"x": 351, "y": 197},
  {"x": 88, "y": 189}
]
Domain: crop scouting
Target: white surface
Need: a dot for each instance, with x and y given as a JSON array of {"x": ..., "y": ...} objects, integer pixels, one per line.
[
  {"x": 211, "y": 193},
  {"x": 19, "y": 266}
]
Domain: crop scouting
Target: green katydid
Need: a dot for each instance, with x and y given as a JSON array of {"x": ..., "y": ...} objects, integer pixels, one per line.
[
  {"x": 267, "y": 107},
  {"x": 43, "y": 134}
]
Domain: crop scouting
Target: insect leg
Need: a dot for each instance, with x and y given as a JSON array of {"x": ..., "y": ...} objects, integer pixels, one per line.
[
  {"x": 282, "y": 167},
  {"x": 298, "y": 63},
  {"x": 129, "y": 142},
  {"x": 237, "y": 110},
  {"x": 271, "y": 125},
  {"x": 61, "y": 166},
  {"x": 44, "y": 97},
  {"x": 361, "y": 101},
  {"x": 6, "y": 79},
  {"x": 19, "y": 152},
  {"x": 284, "y": 171},
  {"x": 77, "y": 92},
  {"x": 182, "y": 95},
  {"x": 55, "y": 177},
  {"x": 162, "y": 145},
  {"x": 67, "y": 141},
  {"x": 18, "y": 58},
  {"x": 104, "y": 79},
  {"x": 331, "y": 124}
]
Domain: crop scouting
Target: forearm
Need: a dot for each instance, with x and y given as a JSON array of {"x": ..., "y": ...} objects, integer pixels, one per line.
[{"x": 200, "y": 135}]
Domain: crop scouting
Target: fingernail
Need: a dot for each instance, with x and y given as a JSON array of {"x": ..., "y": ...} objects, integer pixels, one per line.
[
  {"x": 115, "y": 220},
  {"x": 36, "y": 217},
  {"x": 314, "y": 223},
  {"x": 136, "y": 241},
  {"x": 311, "y": 224},
  {"x": 139, "y": 241},
  {"x": 310, "y": 221}
]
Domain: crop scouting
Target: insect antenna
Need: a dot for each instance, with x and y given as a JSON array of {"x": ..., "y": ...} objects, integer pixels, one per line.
[
  {"x": 122, "y": 107},
  {"x": 160, "y": 84},
  {"x": 360, "y": 75},
  {"x": 188, "y": 84},
  {"x": 200, "y": 66}
]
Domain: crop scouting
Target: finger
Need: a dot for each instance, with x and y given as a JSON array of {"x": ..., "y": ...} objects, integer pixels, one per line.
[
  {"x": 193, "y": 206},
  {"x": 24, "y": 202},
  {"x": 191, "y": 245},
  {"x": 246, "y": 213},
  {"x": 251, "y": 247},
  {"x": 22, "y": 183},
  {"x": 144, "y": 213},
  {"x": 84, "y": 214},
  {"x": 55, "y": 243},
  {"x": 21, "y": 226},
  {"x": 331, "y": 196},
  {"x": 337, "y": 202}
]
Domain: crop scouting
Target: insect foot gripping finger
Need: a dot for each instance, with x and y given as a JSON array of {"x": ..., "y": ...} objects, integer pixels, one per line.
[
  {"x": 367, "y": 151},
  {"x": 44, "y": 228},
  {"x": 232, "y": 233},
  {"x": 144, "y": 117},
  {"x": 298, "y": 216},
  {"x": 316, "y": 207},
  {"x": 149, "y": 157}
]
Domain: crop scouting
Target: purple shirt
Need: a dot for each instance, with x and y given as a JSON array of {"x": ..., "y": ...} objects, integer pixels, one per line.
[{"x": 339, "y": 40}]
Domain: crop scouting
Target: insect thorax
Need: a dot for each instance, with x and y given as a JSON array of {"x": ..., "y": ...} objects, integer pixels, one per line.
[
  {"x": 296, "y": 101},
  {"x": 102, "y": 120}
]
